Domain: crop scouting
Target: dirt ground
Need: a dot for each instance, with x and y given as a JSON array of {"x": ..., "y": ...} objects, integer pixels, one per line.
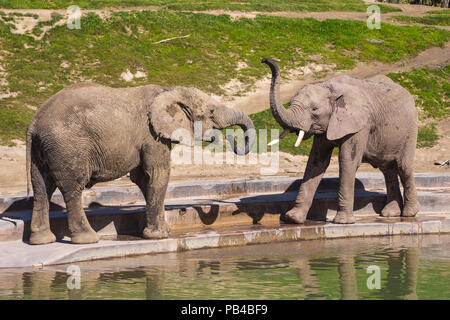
[{"x": 12, "y": 159}]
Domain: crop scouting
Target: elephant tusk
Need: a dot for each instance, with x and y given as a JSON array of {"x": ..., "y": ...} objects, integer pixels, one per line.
[
  {"x": 300, "y": 137},
  {"x": 282, "y": 135}
]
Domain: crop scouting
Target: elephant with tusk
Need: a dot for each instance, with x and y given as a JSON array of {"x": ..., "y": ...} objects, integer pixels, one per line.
[
  {"x": 89, "y": 133},
  {"x": 372, "y": 120}
]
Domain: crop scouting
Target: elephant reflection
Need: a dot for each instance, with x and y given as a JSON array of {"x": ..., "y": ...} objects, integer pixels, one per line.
[
  {"x": 150, "y": 278},
  {"x": 393, "y": 288}
]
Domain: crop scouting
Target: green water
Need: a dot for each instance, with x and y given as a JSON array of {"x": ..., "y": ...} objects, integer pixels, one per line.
[{"x": 411, "y": 267}]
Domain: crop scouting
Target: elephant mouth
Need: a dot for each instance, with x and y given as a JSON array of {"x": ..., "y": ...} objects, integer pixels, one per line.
[
  {"x": 317, "y": 129},
  {"x": 209, "y": 139},
  {"x": 308, "y": 135}
]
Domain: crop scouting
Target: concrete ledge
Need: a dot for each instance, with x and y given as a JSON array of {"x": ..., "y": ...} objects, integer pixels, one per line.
[
  {"x": 185, "y": 215},
  {"x": 19, "y": 254},
  {"x": 130, "y": 195}
]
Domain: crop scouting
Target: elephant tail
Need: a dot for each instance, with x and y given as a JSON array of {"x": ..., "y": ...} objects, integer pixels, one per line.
[{"x": 29, "y": 139}]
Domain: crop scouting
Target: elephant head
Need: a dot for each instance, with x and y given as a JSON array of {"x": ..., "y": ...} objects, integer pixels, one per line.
[
  {"x": 337, "y": 107},
  {"x": 179, "y": 108}
]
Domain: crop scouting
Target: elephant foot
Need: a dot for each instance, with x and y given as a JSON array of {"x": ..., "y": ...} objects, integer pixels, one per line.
[
  {"x": 411, "y": 209},
  {"x": 85, "y": 237},
  {"x": 156, "y": 233},
  {"x": 344, "y": 218},
  {"x": 392, "y": 209},
  {"x": 42, "y": 237},
  {"x": 294, "y": 215}
]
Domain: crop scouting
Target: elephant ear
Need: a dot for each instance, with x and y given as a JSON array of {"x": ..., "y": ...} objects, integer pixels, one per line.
[
  {"x": 169, "y": 112},
  {"x": 350, "y": 110}
]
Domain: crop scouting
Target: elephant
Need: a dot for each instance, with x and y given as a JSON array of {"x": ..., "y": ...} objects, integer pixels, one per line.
[
  {"x": 89, "y": 133},
  {"x": 370, "y": 120}
]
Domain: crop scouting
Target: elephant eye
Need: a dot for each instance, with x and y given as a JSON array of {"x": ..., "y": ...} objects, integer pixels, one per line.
[{"x": 314, "y": 107}]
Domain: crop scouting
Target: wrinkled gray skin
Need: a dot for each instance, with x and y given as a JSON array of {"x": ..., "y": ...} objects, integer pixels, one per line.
[
  {"x": 372, "y": 120},
  {"x": 88, "y": 133}
]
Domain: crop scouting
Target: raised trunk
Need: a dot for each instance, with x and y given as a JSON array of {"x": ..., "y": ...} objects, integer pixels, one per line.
[{"x": 283, "y": 116}]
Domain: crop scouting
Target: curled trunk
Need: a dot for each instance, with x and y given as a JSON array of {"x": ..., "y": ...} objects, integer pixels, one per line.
[{"x": 240, "y": 119}]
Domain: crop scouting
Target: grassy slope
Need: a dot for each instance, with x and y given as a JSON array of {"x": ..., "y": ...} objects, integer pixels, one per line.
[
  {"x": 443, "y": 11},
  {"x": 431, "y": 89},
  {"x": 244, "y": 5},
  {"x": 102, "y": 49},
  {"x": 433, "y": 17}
]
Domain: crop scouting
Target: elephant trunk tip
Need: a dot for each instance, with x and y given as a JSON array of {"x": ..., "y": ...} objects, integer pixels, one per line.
[
  {"x": 272, "y": 65},
  {"x": 269, "y": 62}
]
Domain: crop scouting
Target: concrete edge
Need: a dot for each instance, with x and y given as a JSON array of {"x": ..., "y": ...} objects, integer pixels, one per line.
[
  {"x": 119, "y": 196},
  {"x": 258, "y": 235},
  {"x": 192, "y": 215}
]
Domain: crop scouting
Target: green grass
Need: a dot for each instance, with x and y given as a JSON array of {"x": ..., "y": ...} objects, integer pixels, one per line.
[
  {"x": 427, "y": 136},
  {"x": 433, "y": 17},
  {"x": 431, "y": 89},
  {"x": 55, "y": 17},
  {"x": 436, "y": 19},
  {"x": 102, "y": 49},
  {"x": 13, "y": 123},
  {"x": 244, "y": 5},
  {"x": 444, "y": 11}
]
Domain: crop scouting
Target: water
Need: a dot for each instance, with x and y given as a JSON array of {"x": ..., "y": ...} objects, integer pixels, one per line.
[{"x": 411, "y": 267}]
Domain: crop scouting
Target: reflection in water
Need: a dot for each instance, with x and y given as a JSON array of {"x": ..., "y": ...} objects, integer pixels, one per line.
[
  {"x": 412, "y": 267},
  {"x": 402, "y": 275},
  {"x": 347, "y": 276},
  {"x": 154, "y": 286},
  {"x": 308, "y": 279}
]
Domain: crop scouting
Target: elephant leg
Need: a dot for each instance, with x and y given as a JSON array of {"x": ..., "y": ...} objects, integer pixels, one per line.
[
  {"x": 43, "y": 188},
  {"x": 350, "y": 157},
  {"x": 141, "y": 179},
  {"x": 411, "y": 205},
  {"x": 79, "y": 227},
  {"x": 138, "y": 176},
  {"x": 318, "y": 162},
  {"x": 394, "y": 202},
  {"x": 156, "y": 225},
  {"x": 153, "y": 178}
]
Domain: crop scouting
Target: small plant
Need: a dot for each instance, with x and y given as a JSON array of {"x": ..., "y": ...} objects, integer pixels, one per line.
[{"x": 427, "y": 136}]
